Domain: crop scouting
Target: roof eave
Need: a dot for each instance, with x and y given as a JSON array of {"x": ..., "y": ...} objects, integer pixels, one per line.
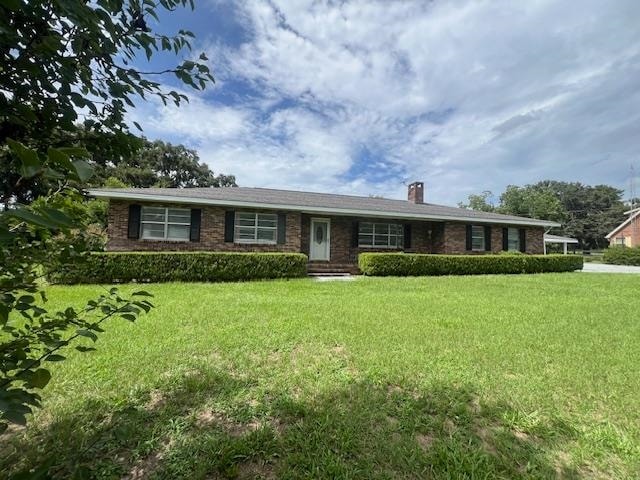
[{"x": 315, "y": 210}]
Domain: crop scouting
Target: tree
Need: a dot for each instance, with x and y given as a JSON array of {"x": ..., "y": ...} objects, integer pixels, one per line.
[
  {"x": 159, "y": 164},
  {"x": 531, "y": 201},
  {"x": 59, "y": 58},
  {"x": 482, "y": 202},
  {"x": 586, "y": 212}
]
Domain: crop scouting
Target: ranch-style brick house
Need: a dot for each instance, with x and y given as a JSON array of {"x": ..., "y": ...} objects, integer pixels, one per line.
[{"x": 331, "y": 229}]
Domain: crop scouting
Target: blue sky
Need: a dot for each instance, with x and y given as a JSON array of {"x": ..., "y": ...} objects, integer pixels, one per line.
[{"x": 363, "y": 97}]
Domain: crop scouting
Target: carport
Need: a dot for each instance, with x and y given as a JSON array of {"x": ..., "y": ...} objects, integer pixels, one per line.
[{"x": 557, "y": 239}]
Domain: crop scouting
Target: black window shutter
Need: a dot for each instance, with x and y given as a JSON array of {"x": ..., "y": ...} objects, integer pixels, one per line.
[
  {"x": 196, "y": 217},
  {"x": 469, "y": 242},
  {"x": 134, "y": 221},
  {"x": 407, "y": 235},
  {"x": 354, "y": 234},
  {"x": 229, "y": 221},
  {"x": 282, "y": 228},
  {"x": 523, "y": 240},
  {"x": 487, "y": 238},
  {"x": 505, "y": 239}
]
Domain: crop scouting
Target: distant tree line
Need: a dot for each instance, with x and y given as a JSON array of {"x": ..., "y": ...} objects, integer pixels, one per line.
[{"x": 586, "y": 212}]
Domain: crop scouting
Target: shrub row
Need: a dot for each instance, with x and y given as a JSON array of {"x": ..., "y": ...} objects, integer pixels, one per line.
[
  {"x": 404, "y": 264},
  {"x": 619, "y": 255},
  {"x": 181, "y": 267}
]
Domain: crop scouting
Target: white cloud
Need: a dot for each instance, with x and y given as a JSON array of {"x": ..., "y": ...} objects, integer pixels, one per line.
[{"x": 464, "y": 95}]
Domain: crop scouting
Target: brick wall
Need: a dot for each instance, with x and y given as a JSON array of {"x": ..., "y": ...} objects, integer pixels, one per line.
[
  {"x": 535, "y": 241},
  {"x": 426, "y": 237},
  {"x": 211, "y": 233},
  {"x": 630, "y": 233},
  {"x": 455, "y": 239}
]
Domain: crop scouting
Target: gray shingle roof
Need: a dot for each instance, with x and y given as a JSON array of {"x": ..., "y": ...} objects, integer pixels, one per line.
[{"x": 313, "y": 203}]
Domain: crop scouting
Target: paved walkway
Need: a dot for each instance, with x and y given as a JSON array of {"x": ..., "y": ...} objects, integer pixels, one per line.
[{"x": 604, "y": 268}]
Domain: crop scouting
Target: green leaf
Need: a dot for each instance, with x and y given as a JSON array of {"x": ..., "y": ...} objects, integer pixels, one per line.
[
  {"x": 32, "y": 218},
  {"x": 4, "y": 314},
  {"x": 6, "y": 235},
  {"x": 75, "y": 152},
  {"x": 59, "y": 217},
  {"x": 83, "y": 169},
  {"x": 142, "y": 293},
  {"x": 137, "y": 126},
  {"x": 15, "y": 417},
  {"x": 54, "y": 358},
  {"x": 129, "y": 316},
  {"x": 82, "y": 348},
  {"x": 13, "y": 5},
  {"x": 39, "y": 379},
  {"x": 30, "y": 162},
  {"x": 59, "y": 158},
  {"x": 87, "y": 333}
]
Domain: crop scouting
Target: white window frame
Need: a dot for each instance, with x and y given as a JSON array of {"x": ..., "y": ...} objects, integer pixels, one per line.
[
  {"x": 475, "y": 236},
  {"x": 398, "y": 236},
  {"x": 166, "y": 224},
  {"x": 511, "y": 231},
  {"x": 255, "y": 240},
  {"x": 620, "y": 242}
]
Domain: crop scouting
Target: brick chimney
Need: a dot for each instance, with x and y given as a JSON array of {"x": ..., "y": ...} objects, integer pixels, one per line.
[{"x": 416, "y": 192}]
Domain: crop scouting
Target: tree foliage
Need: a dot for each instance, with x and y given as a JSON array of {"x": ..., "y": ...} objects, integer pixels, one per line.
[
  {"x": 586, "y": 212},
  {"x": 35, "y": 241},
  {"x": 65, "y": 61},
  {"x": 61, "y": 62},
  {"x": 531, "y": 201},
  {"x": 157, "y": 164},
  {"x": 482, "y": 202}
]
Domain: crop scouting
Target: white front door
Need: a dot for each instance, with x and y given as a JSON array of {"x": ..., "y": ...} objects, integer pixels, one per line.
[{"x": 320, "y": 242}]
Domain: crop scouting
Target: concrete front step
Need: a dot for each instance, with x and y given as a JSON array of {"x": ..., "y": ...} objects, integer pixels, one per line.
[
  {"x": 323, "y": 268},
  {"x": 328, "y": 274}
]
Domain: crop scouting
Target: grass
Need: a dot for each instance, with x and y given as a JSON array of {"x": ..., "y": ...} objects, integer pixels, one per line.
[{"x": 455, "y": 377}]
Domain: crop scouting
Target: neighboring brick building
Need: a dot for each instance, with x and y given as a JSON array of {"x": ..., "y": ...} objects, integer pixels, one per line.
[
  {"x": 331, "y": 229},
  {"x": 628, "y": 232}
]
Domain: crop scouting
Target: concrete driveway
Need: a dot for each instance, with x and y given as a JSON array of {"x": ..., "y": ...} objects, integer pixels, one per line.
[{"x": 604, "y": 268}]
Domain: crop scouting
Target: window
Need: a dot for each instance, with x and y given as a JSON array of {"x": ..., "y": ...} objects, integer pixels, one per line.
[
  {"x": 256, "y": 227},
  {"x": 380, "y": 235},
  {"x": 513, "y": 240},
  {"x": 477, "y": 238},
  {"x": 160, "y": 223},
  {"x": 620, "y": 241}
]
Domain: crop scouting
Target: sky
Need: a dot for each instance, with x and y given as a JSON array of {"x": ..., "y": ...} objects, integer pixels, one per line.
[{"x": 364, "y": 97}]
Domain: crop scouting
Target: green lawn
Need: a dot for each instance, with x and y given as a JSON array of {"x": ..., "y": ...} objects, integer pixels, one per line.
[{"x": 454, "y": 377}]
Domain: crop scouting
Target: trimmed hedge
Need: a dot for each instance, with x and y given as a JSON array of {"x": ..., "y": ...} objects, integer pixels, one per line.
[
  {"x": 117, "y": 267},
  {"x": 619, "y": 255},
  {"x": 406, "y": 264}
]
